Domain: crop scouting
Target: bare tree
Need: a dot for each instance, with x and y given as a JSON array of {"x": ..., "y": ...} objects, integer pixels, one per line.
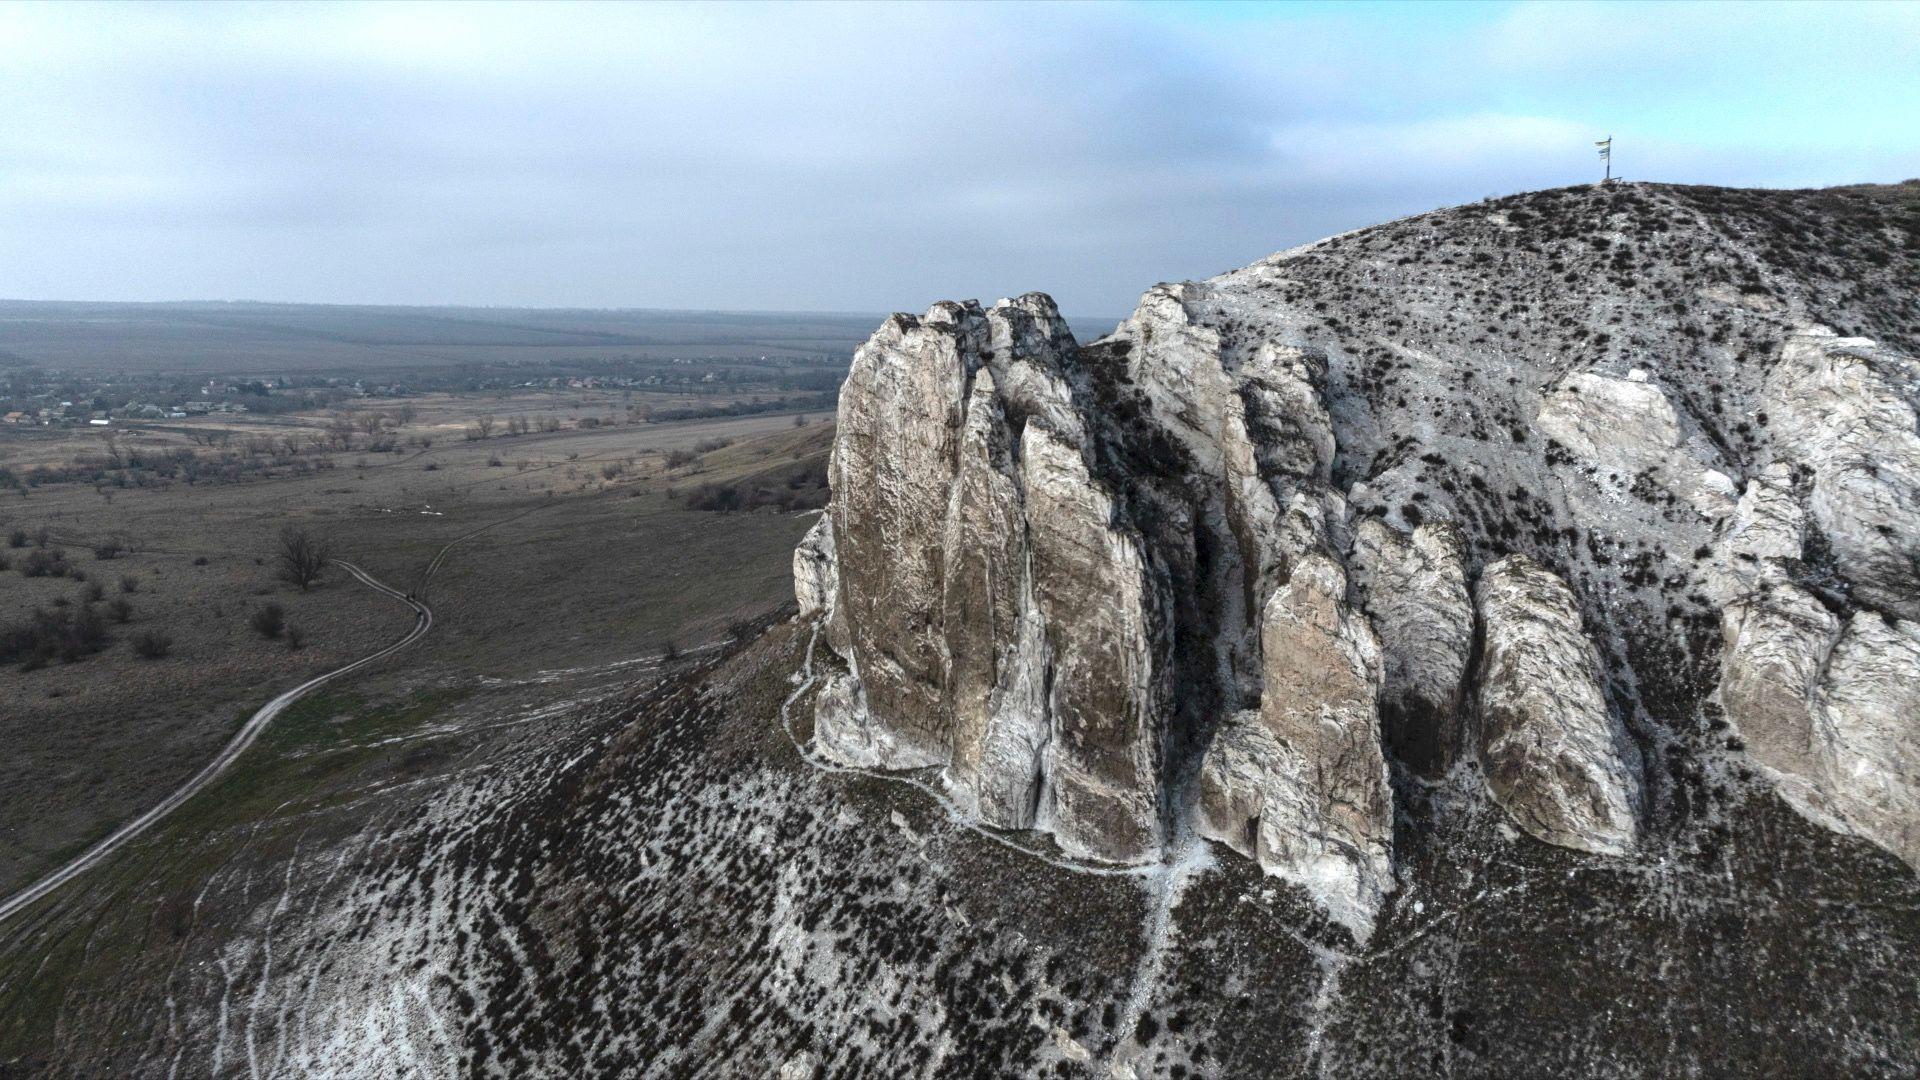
[
  {"x": 485, "y": 426},
  {"x": 340, "y": 433},
  {"x": 371, "y": 422},
  {"x": 302, "y": 558}
]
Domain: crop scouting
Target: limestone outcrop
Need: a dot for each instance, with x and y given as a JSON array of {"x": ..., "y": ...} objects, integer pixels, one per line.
[
  {"x": 1415, "y": 508},
  {"x": 1414, "y": 589},
  {"x": 1846, "y": 409},
  {"x": 1624, "y": 428},
  {"x": 998, "y": 623},
  {"x": 1554, "y": 755},
  {"x": 816, "y": 572},
  {"x": 1300, "y": 784},
  {"x": 1831, "y": 709}
]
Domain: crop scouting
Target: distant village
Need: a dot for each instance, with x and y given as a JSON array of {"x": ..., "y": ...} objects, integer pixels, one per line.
[
  {"x": 30, "y": 396},
  {"x": 215, "y": 396}
]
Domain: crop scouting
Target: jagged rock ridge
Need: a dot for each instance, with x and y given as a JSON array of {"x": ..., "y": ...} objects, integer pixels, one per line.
[{"x": 1467, "y": 490}]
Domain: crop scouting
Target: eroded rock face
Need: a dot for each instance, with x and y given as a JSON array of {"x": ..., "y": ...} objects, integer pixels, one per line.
[
  {"x": 1765, "y": 534},
  {"x": 1626, "y": 427},
  {"x": 816, "y": 573},
  {"x": 1831, "y": 709},
  {"x": 1300, "y": 784},
  {"x": 1871, "y": 704},
  {"x": 1013, "y": 646},
  {"x": 893, "y": 460},
  {"x": 1555, "y": 756},
  {"x": 1414, "y": 589},
  {"x": 1226, "y": 565},
  {"x": 1091, "y": 588},
  {"x": 1847, "y": 408},
  {"x": 1777, "y": 642}
]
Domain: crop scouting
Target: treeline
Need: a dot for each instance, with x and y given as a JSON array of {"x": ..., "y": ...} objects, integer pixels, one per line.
[
  {"x": 802, "y": 486},
  {"x": 745, "y": 408}
]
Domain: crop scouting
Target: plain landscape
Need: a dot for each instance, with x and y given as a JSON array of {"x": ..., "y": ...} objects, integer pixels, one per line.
[{"x": 610, "y": 502}]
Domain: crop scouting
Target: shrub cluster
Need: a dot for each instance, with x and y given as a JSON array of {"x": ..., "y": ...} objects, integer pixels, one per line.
[{"x": 66, "y": 633}]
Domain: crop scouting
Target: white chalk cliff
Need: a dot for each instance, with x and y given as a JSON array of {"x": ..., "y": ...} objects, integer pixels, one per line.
[{"x": 1402, "y": 507}]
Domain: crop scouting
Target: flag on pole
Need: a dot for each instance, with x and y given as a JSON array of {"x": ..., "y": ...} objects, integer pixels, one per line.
[{"x": 1606, "y": 147}]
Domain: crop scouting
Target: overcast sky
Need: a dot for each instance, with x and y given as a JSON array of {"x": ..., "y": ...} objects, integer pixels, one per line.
[{"x": 865, "y": 158}]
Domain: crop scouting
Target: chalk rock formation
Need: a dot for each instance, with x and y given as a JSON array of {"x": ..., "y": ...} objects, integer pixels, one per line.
[
  {"x": 1414, "y": 589},
  {"x": 816, "y": 573},
  {"x": 1300, "y": 784},
  {"x": 1626, "y": 427},
  {"x": 1847, "y": 409},
  {"x": 1832, "y": 710},
  {"x": 1226, "y": 568},
  {"x": 997, "y": 618},
  {"x": 1555, "y": 756}
]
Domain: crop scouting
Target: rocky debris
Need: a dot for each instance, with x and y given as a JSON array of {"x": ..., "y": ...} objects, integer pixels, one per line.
[
  {"x": 1846, "y": 409},
  {"x": 1414, "y": 590},
  {"x": 1556, "y": 758},
  {"x": 845, "y": 731},
  {"x": 1626, "y": 427},
  {"x": 1300, "y": 783}
]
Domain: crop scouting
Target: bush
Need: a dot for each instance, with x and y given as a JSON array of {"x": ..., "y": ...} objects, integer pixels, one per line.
[
  {"x": 302, "y": 558},
  {"x": 269, "y": 620},
  {"x": 120, "y": 609},
  {"x": 95, "y": 593},
  {"x": 106, "y": 551},
  {"x": 152, "y": 645},
  {"x": 677, "y": 458},
  {"x": 296, "y": 637},
  {"x": 199, "y": 560},
  {"x": 44, "y": 563},
  {"x": 17, "y": 538},
  {"x": 69, "y": 635},
  {"x": 714, "y": 498},
  {"x": 129, "y": 584}
]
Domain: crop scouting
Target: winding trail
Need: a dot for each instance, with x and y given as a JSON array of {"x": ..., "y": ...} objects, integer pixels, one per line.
[{"x": 244, "y": 738}]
